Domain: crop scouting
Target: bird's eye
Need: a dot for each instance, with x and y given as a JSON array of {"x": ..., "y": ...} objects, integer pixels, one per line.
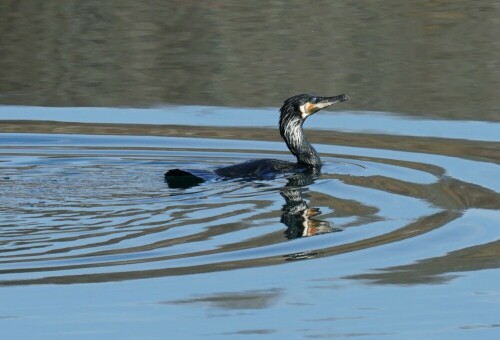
[{"x": 313, "y": 100}]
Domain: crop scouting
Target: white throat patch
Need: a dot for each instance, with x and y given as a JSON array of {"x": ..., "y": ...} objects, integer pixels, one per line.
[
  {"x": 303, "y": 110},
  {"x": 307, "y": 109}
]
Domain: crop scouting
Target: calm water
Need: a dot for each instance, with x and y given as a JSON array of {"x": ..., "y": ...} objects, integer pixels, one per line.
[{"x": 396, "y": 238}]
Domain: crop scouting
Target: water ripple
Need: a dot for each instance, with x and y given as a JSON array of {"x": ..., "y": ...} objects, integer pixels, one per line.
[{"x": 75, "y": 211}]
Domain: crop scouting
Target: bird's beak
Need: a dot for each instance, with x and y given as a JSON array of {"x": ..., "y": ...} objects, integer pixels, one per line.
[
  {"x": 327, "y": 101},
  {"x": 310, "y": 108}
]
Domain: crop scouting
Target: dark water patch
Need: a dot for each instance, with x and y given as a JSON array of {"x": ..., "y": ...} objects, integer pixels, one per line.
[
  {"x": 236, "y": 301},
  {"x": 437, "y": 270},
  {"x": 431, "y": 59}
]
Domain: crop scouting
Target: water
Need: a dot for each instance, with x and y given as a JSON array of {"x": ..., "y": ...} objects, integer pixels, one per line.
[
  {"x": 89, "y": 223},
  {"x": 396, "y": 238}
]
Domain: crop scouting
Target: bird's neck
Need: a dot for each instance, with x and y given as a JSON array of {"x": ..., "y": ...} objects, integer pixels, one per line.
[{"x": 292, "y": 133}]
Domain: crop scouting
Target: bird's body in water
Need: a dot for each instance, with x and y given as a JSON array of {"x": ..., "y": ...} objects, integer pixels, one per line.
[{"x": 293, "y": 113}]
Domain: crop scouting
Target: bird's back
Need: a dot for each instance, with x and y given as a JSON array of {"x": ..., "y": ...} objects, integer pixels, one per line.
[{"x": 259, "y": 168}]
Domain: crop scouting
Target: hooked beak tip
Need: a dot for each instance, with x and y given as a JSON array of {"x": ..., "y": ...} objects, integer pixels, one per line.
[
  {"x": 338, "y": 99},
  {"x": 344, "y": 98}
]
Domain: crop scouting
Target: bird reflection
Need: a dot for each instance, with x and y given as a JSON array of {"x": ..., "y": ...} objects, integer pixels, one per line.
[{"x": 297, "y": 215}]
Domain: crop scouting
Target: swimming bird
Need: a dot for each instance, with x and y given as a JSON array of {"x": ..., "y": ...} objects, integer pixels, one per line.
[{"x": 293, "y": 114}]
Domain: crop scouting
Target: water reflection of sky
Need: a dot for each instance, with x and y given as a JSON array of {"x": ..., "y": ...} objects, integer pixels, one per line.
[
  {"x": 356, "y": 293},
  {"x": 373, "y": 122},
  {"x": 308, "y": 300}
]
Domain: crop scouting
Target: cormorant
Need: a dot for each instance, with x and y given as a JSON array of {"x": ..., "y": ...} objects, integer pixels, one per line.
[{"x": 293, "y": 113}]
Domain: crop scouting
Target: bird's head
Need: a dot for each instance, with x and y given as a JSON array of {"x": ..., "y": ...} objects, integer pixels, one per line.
[
  {"x": 303, "y": 105},
  {"x": 294, "y": 112}
]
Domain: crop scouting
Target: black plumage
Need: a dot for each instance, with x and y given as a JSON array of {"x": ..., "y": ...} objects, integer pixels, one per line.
[{"x": 293, "y": 113}]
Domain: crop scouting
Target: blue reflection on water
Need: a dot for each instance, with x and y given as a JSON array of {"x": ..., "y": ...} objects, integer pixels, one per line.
[
  {"x": 308, "y": 299},
  {"x": 364, "y": 121},
  {"x": 296, "y": 299}
]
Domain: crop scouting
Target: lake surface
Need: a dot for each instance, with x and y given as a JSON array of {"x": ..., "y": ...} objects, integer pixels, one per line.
[
  {"x": 397, "y": 237},
  {"x": 389, "y": 240}
]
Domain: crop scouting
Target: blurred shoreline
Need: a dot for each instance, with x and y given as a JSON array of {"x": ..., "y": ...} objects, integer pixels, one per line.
[{"x": 434, "y": 59}]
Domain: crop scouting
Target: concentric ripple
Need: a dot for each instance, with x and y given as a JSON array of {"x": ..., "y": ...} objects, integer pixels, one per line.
[{"x": 79, "y": 208}]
